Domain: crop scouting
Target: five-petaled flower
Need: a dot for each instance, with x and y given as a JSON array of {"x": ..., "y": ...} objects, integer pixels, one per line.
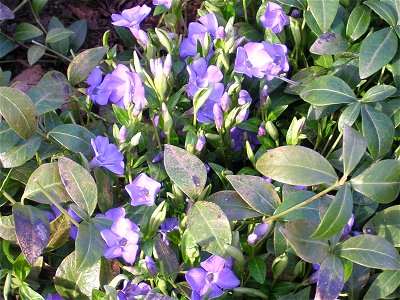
[
  {"x": 122, "y": 240},
  {"x": 274, "y": 18},
  {"x": 107, "y": 155},
  {"x": 131, "y": 290},
  {"x": 212, "y": 277},
  {"x": 143, "y": 190}
]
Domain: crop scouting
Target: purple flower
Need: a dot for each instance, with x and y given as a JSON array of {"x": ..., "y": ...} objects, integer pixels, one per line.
[
  {"x": 261, "y": 130},
  {"x": 53, "y": 296},
  {"x": 279, "y": 60},
  {"x": 143, "y": 190},
  {"x": 212, "y": 276},
  {"x": 131, "y": 18},
  {"x": 97, "y": 91},
  {"x": 113, "y": 214},
  {"x": 201, "y": 142},
  {"x": 159, "y": 157},
  {"x": 237, "y": 138},
  {"x": 158, "y": 68},
  {"x": 197, "y": 32},
  {"x": 274, "y": 18},
  {"x": 122, "y": 240},
  {"x": 244, "y": 97},
  {"x": 151, "y": 265},
  {"x": 168, "y": 225},
  {"x": 224, "y": 101},
  {"x": 260, "y": 230},
  {"x": 131, "y": 290},
  {"x": 107, "y": 155},
  {"x": 166, "y": 3},
  {"x": 218, "y": 116}
]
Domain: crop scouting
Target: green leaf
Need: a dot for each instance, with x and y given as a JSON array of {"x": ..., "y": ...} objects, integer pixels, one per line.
[
  {"x": 392, "y": 109},
  {"x": 71, "y": 283},
  {"x": 354, "y": 146},
  {"x": 378, "y": 93},
  {"x": 327, "y": 90},
  {"x": 75, "y": 138},
  {"x": 234, "y": 207},
  {"x": 186, "y": 170},
  {"x": 324, "y": 12},
  {"x": 32, "y": 229},
  {"x": 385, "y": 284},
  {"x": 298, "y": 233},
  {"x": 337, "y": 215},
  {"x": 256, "y": 191},
  {"x": 249, "y": 31},
  {"x": 376, "y": 51},
  {"x": 209, "y": 226},
  {"x": 296, "y": 165},
  {"x": 330, "y": 278},
  {"x": 7, "y": 228},
  {"x": 89, "y": 246},
  {"x": 48, "y": 177},
  {"x": 358, "y": 279},
  {"x": 38, "y": 5},
  {"x": 18, "y": 110},
  {"x": 26, "y": 31},
  {"x": 370, "y": 251},
  {"x": 6, "y": 46},
  {"x": 78, "y": 38},
  {"x": 294, "y": 3},
  {"x": 20, "y": 153},
  {"x": 26, "y": 293},
  {"x": 386, "y": 224},
  {"x": 328, "y": 44},
  {"x": 258, "y": 269},
  {"x": 104, "y": 190},
  {"x": 79, "y": 184},
  {"x": 380, "y": 182},
  {"x": 52, "y": 91},
  {"x": 84, "y": 63},
  {"x": 121, "y": 115},
  {"x": 378, "y": 130},
  {"x": 35, "y": 53},
  {"x": 61, "y": 46},
  {"x": 59, "y": 232},
  {"x": 358, "y": 22},
  {"x": 8, "y": 137},
  {"x": 58, "y": 34},
  {"x": 383, "y": 10},
  {"x": 166, "y": 256}
]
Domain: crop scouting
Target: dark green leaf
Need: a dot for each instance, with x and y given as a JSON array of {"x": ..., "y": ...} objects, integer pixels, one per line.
[
  {"x": 378, "y": 130},
  {"x": 258, "y": 269},
  {"x": 324, "y": 12},
  {"x": 26, "y": 31},
  {"x": 296, "y": 165},
  {"x": 79, "y": 184},
  {"x": 378, "y": 93},
  {"x": 327, "y": 90},
  {"x": 354, "y": 146},
  {"x": 6, "y": 46},
  {"x": 18, "y": 110},
  {"x": 20, "y": 153},
  {"x": 61, "y": 46},
  {"x": 298, "y": 234},
  {"x": 8, "y": 137},
  {"x": 256, "y": 191},
  {"x": 32, "y": 229},
  {"x": 303, "y": 77},
  {"x": 74, "y": 137},
  {"x": 7, "y": 228},
  {"x": 78, "y": 38},
  {"x": 385, "y": 284},
  {"x": 209, "y": 226},
  {"x": 337, "y": 215},
  {"x": 104, "y": 190},
  {"x": 376, "y": 51},
  {"x": 328, "y": 44},
  {"x": 58, "y": 34},
  {"x": 167, "y": 256},
  {"x": 59, "y": 232},
  {"x": 383, "y": 10},
  {"x": 370, "y": 251},
  {"x": 249, "y": 31},
  {"x": 330, "y": 278},
  {"x": 349, "y": 115},
  {"x": 294, "y": 3},
  {"x": 358, "y": 22},
  {"x": 392, "y": 109},
  {"x": 121, "y": 115},
  {"x": 185, "y": 170},
  {"x": 38, "y": 5},
  {"x": 84, "y": 63}
]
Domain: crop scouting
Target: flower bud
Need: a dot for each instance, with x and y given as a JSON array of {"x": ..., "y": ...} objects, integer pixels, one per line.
[
  {"x": 220, "y": 33},
  {"x": 261, "y": 130},
  {"x": 272, "y": 131},
  {"x": 244, "y": 97},
  {"x": 201, "y": 142},
  {"x": 263, "y": 95},
  {"x": 218, "y": 116},
  {"x": 260, "y": 230},
  {"x": 295, "y": 13},
  {"x": 122, "y": 134},
  {"x": 279, "y": 265},
  {"x": 167, "y": 119},
  {"x": 242, "y": 115},
  {"x": 300, "y": 268},
  {"x": 151, "y": 265},
  {"x": 159, "y": 157},
  {"x": 167, "y": 65},
  {"x": 295, "y": 28},
  {"x": 224, "y": 102}
]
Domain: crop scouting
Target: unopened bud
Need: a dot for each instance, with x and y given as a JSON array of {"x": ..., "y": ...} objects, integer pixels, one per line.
[
  {"x": 151, "y": 265},
  {"x": 279, "y": 265},
  {"x": 263, "y": 95},
  {"x": 224, "y": 102},
  {"x": 220, "y": 33},
  {"x": 272, "y": 131},
  {"x": 201, "y": 142},
  {"x": 167, "y": 65},
  {"x": 218, "y": 116},
  {"x": 122, "y": 134},
  {"x": 300, "y": 268},
  {"x": 244, "y": 97},
  {"x": 242, "y": 115},
  {"x": 261, "y": 130}
]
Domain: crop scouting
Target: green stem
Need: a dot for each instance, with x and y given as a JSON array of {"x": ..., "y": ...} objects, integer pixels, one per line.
[
  {"x": 381, "y": 75},
  {"x": 52, "y": 51},
  {"x": 157, "y": 135},
  {"x": 334, "y": 145},
  {"x": 8, "y": 197},
  {"x": 37, "y": 18},
  {"x": 327, "y": 190},
  {"x": 56, "y": 204},
  {"x": 329, "y": 139},
  {"x": 245, "y": 11}
]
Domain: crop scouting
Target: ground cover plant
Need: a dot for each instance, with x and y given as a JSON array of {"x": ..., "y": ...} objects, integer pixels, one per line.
[{"x": 249, "y": 153}]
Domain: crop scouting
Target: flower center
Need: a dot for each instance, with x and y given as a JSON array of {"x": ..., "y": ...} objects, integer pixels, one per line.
[
  {"x": 145, "y": 192},
  {"x": 248, "y": 64},
  {"x": 210, "y": 277},
  {"x": 123, "y": 242},
  {"x": 277, "y": 60}
]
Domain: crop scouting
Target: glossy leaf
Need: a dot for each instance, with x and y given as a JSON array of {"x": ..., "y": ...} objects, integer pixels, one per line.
[
  {"x": 78, "y": 38},
  {"x": 383, "y": 10},
  {"x": 8, "y": 137},
  {"x": 209, "y": 226},
  {"x": 392, "y": 109},
  {"x": 354, "y": 146},
  {"x": 385, "y": 284},
  {"x": 185, "y": 170},
  {"x": 327, "y": 90},
  {"x": 324, "y": 12},
  {"x": 26, "y": 31},
  {"x": 32, "y": 229},
  {"x": 256, "y": 191},
  {"x": 298, "y": 234},
  {"x": 378, "y": 93},
  {"x": 330, "y": 278},
  {"x": 70, "y": 283},
  {"x": 59, "y": 232},
  {"x": 48, "y": 177},
  {"x": 7, "y": 228},
  {"x": 328, "y": 44},
  {"x": 358, "y": 22},
  {"x": 249, "y": 31},
  {"x": 258, "y": 269},
  {"x": 6, "y": 46},
  {"x": 378, "y": 131},
  {"x": 294, "y": 3},
  {"x": 74, "y": 137},
  {"x": 79, "y": 184},
  {"x": 20, "y": 153},
  {"x": 296, "y": 165},
  {"x": 18, "y": 110},
  {"x": 380, "y": 182},
  {"x": 58, "y": 34},
  {"x": 349, "y": 115},
  {"x": 26, "y": 293},
  {"x": 386, "y": 224},
  {"x": 370, "y": 251},
  {"x": 89, "y": 246},
  {"x": 376, "y": 51},
  {"x": 337, "y": 215},
  {"x": 84, "y": 63},
  {"x": 104, "y": 190},
  {"x": 234, "y": 207}
]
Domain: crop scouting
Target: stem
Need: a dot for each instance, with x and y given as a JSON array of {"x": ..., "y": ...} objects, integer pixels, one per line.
[
  {"x": 245, "y": 11},
  {"x": 52, "y": 51},
  {"x": 37, "y": 18},
  {"x": 8, "y": 197},
  {"x": 56, "y": 204},
  {"x": 157, "y": 135},
  {"x": 327, "y": 190},
  {"x": 334, "y": 145},
  {"x": 380, "y": 76},
  {"x": 329, "y": 139}
]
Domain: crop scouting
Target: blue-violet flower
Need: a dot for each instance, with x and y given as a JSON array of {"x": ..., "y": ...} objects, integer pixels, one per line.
[
  {"x": 143, "y": 190},
  {"x": 107, "y": 155}
]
